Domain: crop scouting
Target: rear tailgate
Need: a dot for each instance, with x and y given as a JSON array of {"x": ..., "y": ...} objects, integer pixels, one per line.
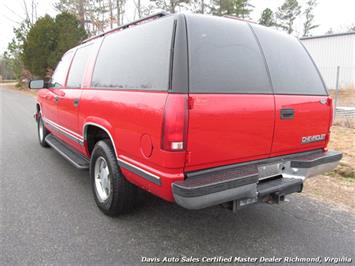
[
  {"x": 254, "y": 93},
  {"x": 303, "y": 109},
  {"x": 231, "y": 110}
]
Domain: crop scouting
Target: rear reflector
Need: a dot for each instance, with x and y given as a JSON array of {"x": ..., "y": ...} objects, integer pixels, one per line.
[{"x": 174, "y": 123}]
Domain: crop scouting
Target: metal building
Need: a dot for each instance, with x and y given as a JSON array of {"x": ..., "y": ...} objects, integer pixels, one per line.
[{"x": 331, "y": 51}]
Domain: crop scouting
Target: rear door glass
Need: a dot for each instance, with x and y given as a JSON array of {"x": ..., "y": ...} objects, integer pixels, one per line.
[
  {"x": 291, "y": 68},
  {"x": 136, "y": 58},
  {"x": 224, "y": 57},
  {"x": 78, "y": 65}
]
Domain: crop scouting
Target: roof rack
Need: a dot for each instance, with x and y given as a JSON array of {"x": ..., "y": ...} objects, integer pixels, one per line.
[{"x": 125, "y": 26}]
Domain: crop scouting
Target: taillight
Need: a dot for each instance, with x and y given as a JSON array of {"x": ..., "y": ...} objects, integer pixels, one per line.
[
  {"x": 331, "y": 107},
  {"x": 175, "y": 123}
]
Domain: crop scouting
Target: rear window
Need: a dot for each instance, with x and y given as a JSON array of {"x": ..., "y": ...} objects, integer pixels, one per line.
[
  {"x": 292, "y": 70},
  {"x": 224, "y": 57},
  {"x": 136, "y": 58}
]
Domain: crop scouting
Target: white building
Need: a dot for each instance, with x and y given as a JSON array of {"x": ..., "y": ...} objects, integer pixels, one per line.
[{"x": 330, "y": 51}]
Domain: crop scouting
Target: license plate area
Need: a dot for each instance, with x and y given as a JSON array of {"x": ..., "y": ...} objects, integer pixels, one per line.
[{"x": 269, "y": 170}]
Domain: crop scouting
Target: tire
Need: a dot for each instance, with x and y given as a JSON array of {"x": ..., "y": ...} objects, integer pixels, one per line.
[
  {"x": 113, "y": 194},
  {"x": 42, "y": 132}
]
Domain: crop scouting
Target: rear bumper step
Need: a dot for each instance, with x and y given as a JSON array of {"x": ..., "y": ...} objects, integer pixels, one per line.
[{"x": 252, "y": 180}]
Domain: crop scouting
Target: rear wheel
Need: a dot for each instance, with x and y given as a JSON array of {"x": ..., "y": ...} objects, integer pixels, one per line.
[
  {"x": 42, "y": 132},
  {"x": 113, "y": 194}
]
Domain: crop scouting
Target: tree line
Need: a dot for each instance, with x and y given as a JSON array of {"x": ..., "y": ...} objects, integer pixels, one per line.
[
  {"x": 97, "y": 15},
  {"x": 38, "y": 45}
]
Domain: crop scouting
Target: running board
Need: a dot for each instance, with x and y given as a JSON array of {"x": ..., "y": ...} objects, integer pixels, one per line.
[{"x": 74, "y": 157}]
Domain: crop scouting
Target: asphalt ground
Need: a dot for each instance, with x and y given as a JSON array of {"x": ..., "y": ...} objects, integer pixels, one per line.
[{"x": 48, "y": 215}]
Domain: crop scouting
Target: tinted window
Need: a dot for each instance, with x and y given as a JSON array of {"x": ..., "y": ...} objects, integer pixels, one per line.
[
  {"x": 78, "y": 65},
  {"x": 136, "y": 58},
  {"x": 60, "y": 73},
  {"x": 291, "y": 69},
  {"x": 225, "y": 57}
]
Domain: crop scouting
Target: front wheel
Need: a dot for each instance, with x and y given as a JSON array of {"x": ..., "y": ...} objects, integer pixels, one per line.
[
  {"x": 42, "y": 132},
  {"x": 113, "y": 194}
]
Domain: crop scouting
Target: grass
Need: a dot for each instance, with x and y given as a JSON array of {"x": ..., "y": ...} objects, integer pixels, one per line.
[
  {"x": 16, "y": 86},
  {"x": 346, "y": 96},
  {"x": 338, "y": 186}
]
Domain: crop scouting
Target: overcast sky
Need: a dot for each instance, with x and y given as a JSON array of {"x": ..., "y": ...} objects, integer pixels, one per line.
[{"x": 335, "y": 14}]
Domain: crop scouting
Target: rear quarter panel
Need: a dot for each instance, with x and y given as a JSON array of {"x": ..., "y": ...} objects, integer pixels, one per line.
[{"x": 134, "y": 120}]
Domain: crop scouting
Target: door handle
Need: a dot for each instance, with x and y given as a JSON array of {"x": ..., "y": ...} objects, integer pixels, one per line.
[
  {"x": 56, "y": 98},
  {"x": 76, "y": 102},
  {"x": 287, "y": 113}
]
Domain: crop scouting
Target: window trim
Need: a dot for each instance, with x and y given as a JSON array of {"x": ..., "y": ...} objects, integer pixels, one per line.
[
  {"x": 67, "y": 70},
  {"x": 170, "y": 70},
  {"x": 71, "y": 64}
]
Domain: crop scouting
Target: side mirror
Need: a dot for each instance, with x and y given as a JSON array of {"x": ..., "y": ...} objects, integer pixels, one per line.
[{"x": 37, "y": 84}]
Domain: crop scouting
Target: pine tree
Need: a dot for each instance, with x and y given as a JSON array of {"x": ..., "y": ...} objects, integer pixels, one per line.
[
  {"x": 70, "y": 32},
  {"x": 308, "y": 12},
  {"x": 48, "y": 39},
  {"x": 287, "y": 14},
  {"x": 238, "y": 8},
  {"x": 39, "y": 46},
  {"x": 267, "y": 18}
]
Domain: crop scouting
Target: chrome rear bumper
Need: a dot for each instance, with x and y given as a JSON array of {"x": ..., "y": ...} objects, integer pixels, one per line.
[{"x": 254, "y": 181}]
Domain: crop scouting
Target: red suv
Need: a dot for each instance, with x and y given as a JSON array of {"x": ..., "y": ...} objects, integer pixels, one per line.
[{"x": 198, "y": 110}]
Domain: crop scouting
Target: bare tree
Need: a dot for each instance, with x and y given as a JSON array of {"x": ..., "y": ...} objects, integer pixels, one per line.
[
  {"x": 170, "y": 5},
  {"x": 30, "y": 12}
]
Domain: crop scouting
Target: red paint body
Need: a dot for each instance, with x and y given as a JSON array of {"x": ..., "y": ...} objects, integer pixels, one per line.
[
  {"x": 217, "y": 129},
  {"x": 222, "y": 129}
]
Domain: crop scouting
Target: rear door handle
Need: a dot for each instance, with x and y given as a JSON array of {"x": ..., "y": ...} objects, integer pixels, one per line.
[
  {"x": 76, "y": 102},
  {"x": 56, "y": 98},
  {"x": 287, "y": 113}
]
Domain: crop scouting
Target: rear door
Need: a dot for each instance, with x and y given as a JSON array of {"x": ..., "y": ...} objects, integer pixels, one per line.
[
  {"x": 303, "y": 110},
  {"x": 231, "y": 115}
]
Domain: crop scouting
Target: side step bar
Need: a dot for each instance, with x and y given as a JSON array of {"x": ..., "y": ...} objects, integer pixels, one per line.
[{"x": 74, "y": 157}]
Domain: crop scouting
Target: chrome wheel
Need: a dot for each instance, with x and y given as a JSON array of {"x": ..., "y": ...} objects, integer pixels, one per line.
[
  {"x": 40, "y": 130},
  {"x": 102, "y": 179}
]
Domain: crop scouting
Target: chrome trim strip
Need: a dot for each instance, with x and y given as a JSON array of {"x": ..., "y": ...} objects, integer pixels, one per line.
[
  {"x": 139, "y": 171},
  {"x": 103, "y": 128},
  {"x": 135, "y": 169},
  {"x": 64, "y": 131}
]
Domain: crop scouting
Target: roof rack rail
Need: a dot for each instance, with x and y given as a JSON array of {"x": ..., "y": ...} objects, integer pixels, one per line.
[
  {"x": 241, "y": 19},
  {"x": 124, "y": 26}
]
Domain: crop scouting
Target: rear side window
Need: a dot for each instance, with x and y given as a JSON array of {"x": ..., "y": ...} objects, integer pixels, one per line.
[
  {"x": 60, "y": 73},
  {"x": 292, "y": 70},
  {"x": 78, "y": 65},
  {"x": 224, "y": 57},
  {"x": 136, "y": 58}
]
